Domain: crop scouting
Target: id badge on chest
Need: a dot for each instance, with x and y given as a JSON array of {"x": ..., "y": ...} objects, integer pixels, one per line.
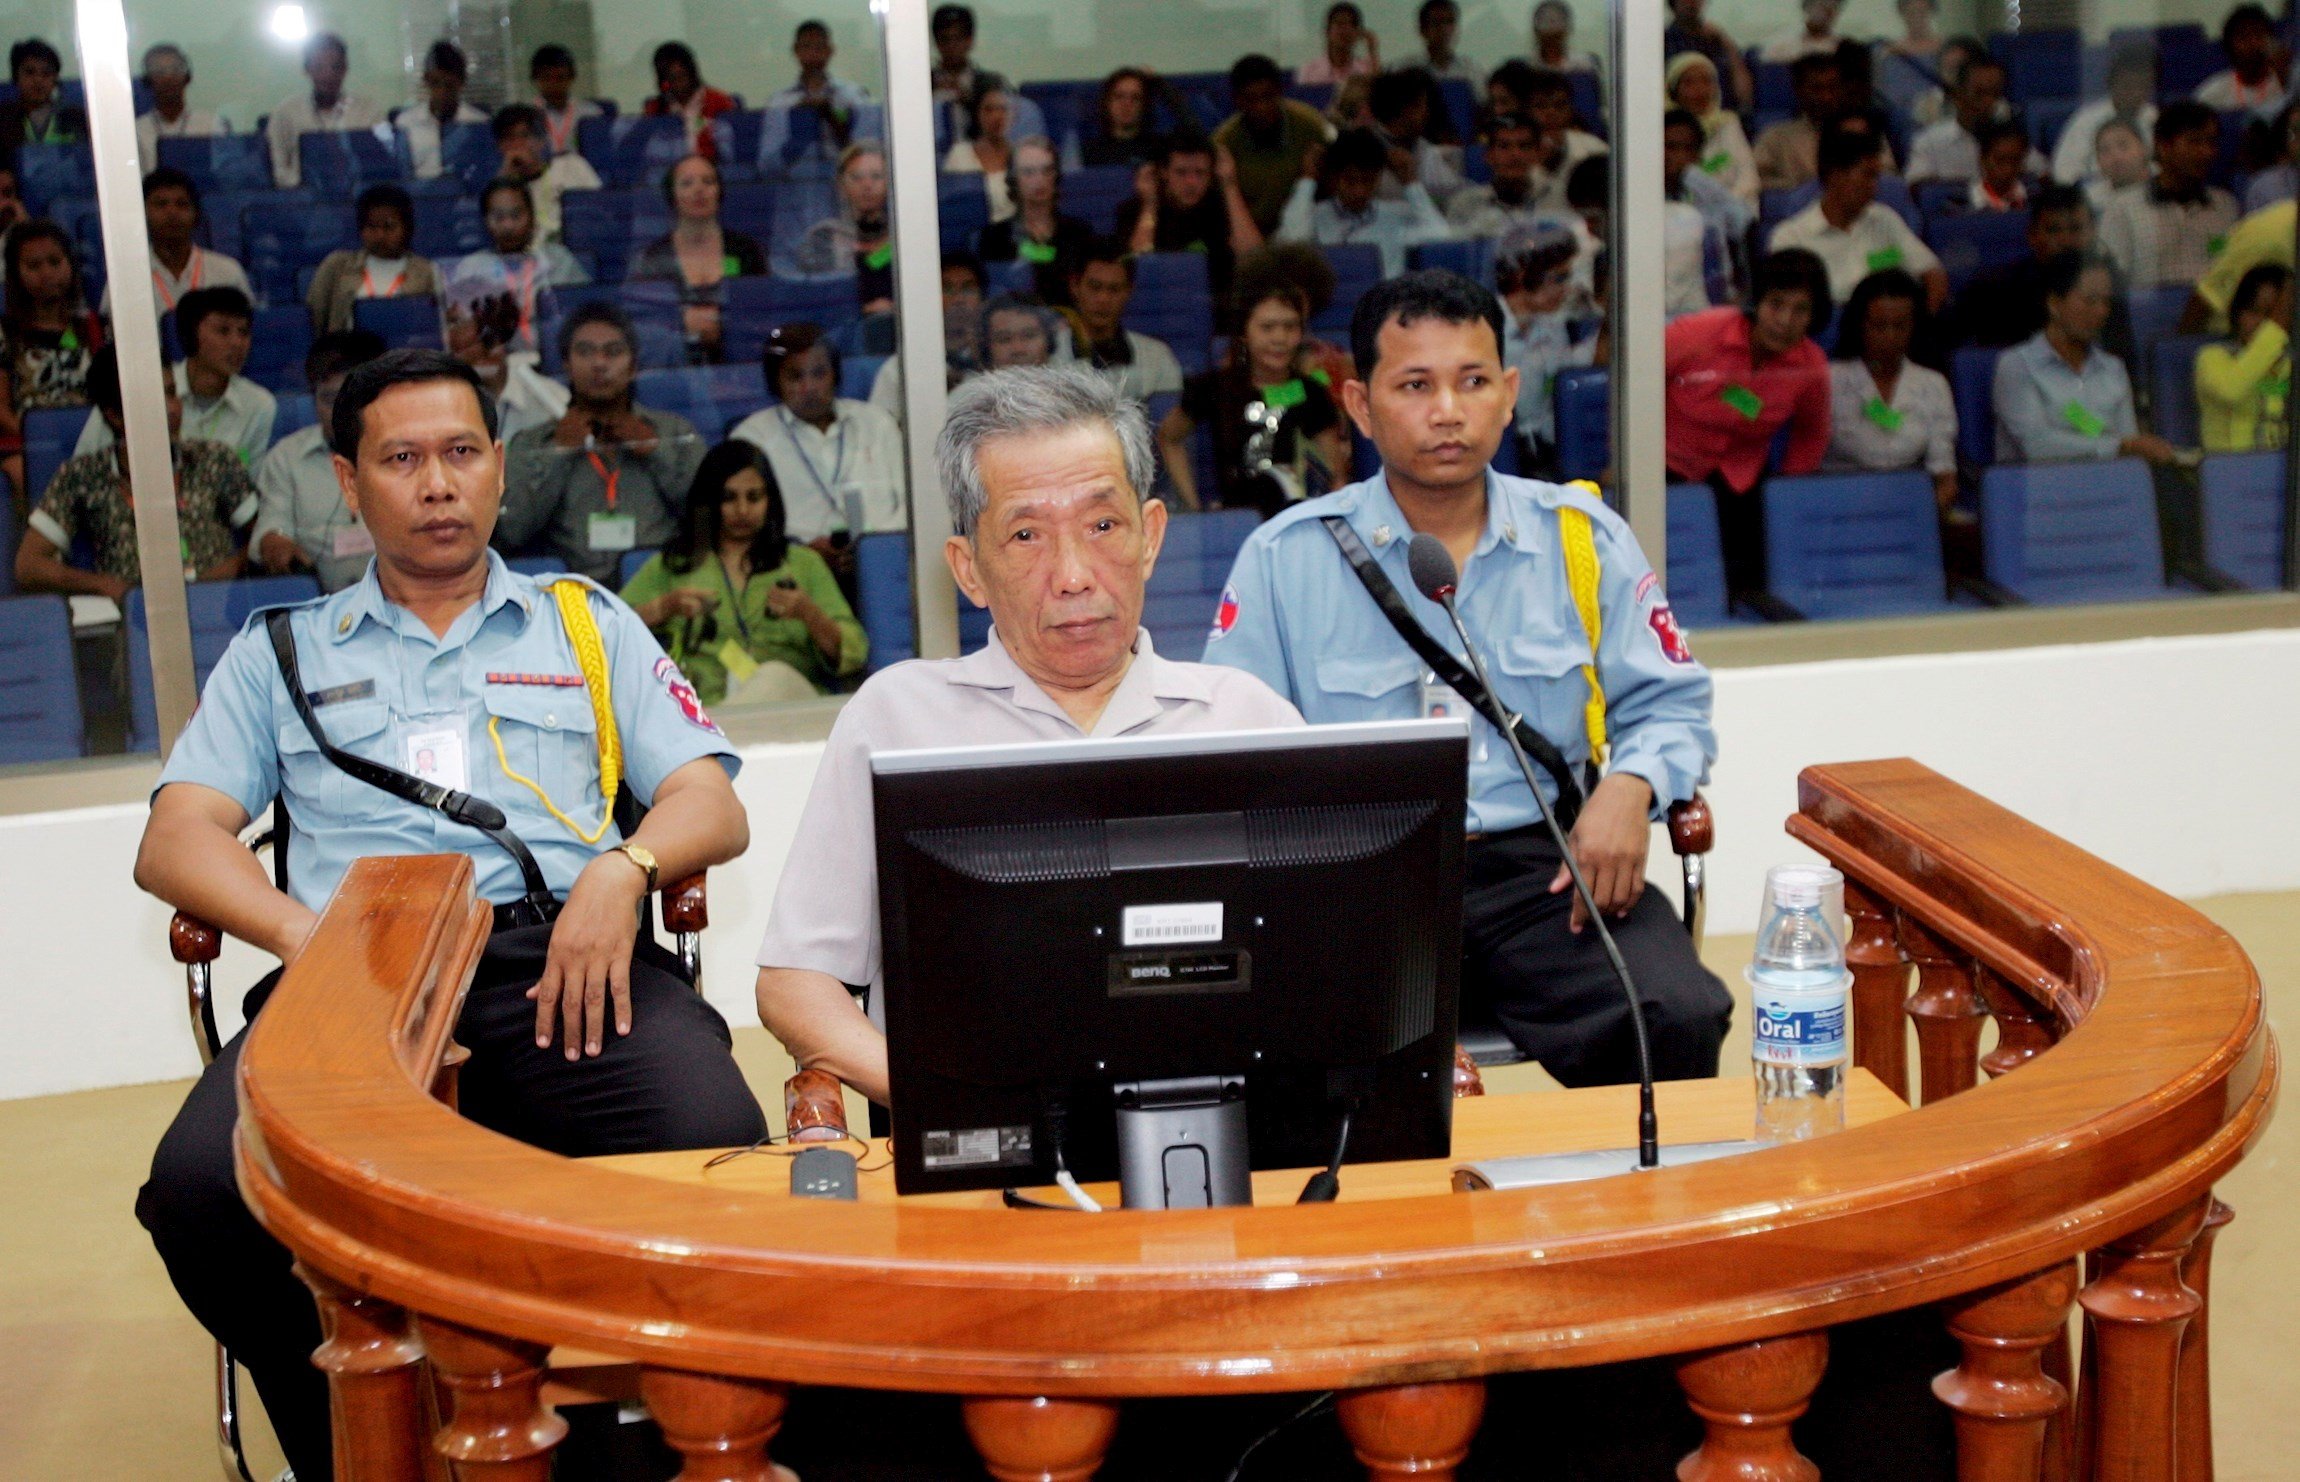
[
  {"x": 1441, "y": 701},
  {"x": 608, "y": 532},
  {"x": 432, "y": 747}
]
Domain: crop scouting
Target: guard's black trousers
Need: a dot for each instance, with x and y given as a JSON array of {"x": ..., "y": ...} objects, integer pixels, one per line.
[
  {"x": 1554, "y": 992},
  {"x": 671, "y": 1083}
]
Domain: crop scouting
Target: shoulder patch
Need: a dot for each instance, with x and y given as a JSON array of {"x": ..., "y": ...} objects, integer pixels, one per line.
[
  {"x": 683, "y": 694},
  {"x": 1225, "y": 615},
  {"x": 1645, "y": 584},
  {"x": 1666, "y": 633}
]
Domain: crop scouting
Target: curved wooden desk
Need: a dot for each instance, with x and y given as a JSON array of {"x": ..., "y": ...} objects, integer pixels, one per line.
[{"x": 2133, "y": 1068}]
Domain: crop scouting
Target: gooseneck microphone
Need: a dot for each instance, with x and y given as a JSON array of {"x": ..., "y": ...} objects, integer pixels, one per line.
[{"x": 1434, "y": 575}]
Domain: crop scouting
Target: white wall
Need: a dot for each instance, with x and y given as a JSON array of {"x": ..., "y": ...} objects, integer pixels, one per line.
[{"x": 2169, "y": 757}]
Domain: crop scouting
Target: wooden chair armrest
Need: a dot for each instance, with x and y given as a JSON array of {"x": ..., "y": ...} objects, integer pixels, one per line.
[
  {"x": 1692, "y": 827},
  {"x": 192, "y": 941},
  {"x": 686, "y": 904}
]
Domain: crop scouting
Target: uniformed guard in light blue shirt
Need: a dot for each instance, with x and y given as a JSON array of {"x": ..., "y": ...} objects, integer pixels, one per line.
[
  {"x": 449, "y": 669},
  {"x": 1436, "y": 398}
]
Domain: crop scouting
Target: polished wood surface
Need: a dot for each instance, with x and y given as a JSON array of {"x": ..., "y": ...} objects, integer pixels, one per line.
[
  {"x": 2002, "y": 1396},
  {"x": 1747, "y": 1397},
  {"x": 1412, "y": 1430},
  {"x": 2109, "y": 1140}
]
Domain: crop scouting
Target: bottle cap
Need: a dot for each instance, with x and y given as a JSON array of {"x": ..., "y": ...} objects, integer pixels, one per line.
[{"x": 1799, "y": 885}]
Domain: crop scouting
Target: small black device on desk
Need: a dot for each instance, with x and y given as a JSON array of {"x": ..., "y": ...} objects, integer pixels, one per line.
[{"x": 823, "y": 1173}]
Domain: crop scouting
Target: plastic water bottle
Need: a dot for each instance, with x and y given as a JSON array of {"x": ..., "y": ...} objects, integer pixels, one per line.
[{"x": 1799, "y": 986}]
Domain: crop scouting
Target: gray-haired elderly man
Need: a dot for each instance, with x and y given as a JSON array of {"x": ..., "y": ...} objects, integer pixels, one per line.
[{"x": 1047, "y": 469}]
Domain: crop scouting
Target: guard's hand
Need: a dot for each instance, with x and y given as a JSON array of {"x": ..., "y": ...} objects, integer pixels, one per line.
[
  {"x": 1610, "y": 838},
  {"x": 589, "y": 961}
]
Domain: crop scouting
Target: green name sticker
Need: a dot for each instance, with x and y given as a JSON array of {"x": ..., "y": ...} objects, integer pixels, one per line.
[
  {"x": 1041, "y": 253},
  {"x": 2083, "y": 420},
  {"x": 730, "y": 266},
  {"x": 2278, "y": 389},
  {"x": 1717, "y": 164},
  {"x": 2216, "y": 246},
  {"x": 1885, "y": 257},
  {"x": 1292, "y": 394},
  {"x": 879, "y": 256},
  {"x": 70, "y": 341},
  {"x": 1884, "y": 416},
  {"x": 1741, "y": 399}
]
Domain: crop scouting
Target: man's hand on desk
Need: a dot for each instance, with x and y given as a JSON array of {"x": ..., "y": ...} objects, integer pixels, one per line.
[
  {"x": 1610, "y": 839},
  {"x": 589, "y": 960}
]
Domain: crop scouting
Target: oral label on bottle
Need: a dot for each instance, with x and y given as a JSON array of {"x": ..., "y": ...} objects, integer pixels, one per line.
[{"x": 1786, "y": 1031}]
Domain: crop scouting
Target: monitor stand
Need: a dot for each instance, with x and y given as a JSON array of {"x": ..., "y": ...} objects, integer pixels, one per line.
[{"x": 1182, "y": 1143}]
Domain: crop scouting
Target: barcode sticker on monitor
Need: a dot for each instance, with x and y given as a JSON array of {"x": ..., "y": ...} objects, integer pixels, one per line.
[{"x": 1155, "y": 926}]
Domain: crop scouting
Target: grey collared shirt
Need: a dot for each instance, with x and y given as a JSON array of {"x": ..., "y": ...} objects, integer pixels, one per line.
[{"x": 825, "y": 915}]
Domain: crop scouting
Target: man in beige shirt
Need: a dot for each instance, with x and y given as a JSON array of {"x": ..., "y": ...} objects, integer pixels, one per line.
[{"x": 1045, "y": 468}]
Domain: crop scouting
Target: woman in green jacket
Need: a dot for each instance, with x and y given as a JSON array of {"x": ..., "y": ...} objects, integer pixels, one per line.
[{"x": 748, "y": 613}]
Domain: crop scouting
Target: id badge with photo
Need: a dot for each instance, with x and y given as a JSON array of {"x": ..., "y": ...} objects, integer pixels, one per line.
[
  {"x": 1441, "y": 701},
  {"x": 608, "y": 532},
  {"x": 434, "y": 752}
]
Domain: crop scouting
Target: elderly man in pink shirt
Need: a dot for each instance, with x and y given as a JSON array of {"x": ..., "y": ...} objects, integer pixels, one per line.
[{"x": 1736, "y": 378}]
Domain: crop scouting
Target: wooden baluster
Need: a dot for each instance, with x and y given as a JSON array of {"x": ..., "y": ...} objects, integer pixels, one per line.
[
  {"x": 1747, "y": 1396},
  {"x": 2137, "y": 1308},
  {"x": 498, "y": 1427},
  {"x": 1947, "y": 1011},
  {"x": 374, "y": 1373},
  {"x": 1412, "y": 1430},
  {"x": 2023, "y": 1031},
  {"x": 2062, "y": 1430},
  {"x": 1040, "y": 1440},
  {"x": 2000, "y": 1393},
  {"x": 721, "y": 1426},
  {"x": 2195, "y": 1397},
  {"x": 1880, "y": 987}
]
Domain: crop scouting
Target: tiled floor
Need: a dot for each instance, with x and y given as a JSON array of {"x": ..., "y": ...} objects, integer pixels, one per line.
[{"x": 104, "y": 1376}]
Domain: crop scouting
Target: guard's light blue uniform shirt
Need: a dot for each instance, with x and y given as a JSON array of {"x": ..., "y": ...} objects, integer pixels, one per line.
[
  {"x": 1297, "y": 616},
  {"x": 377, "y": 675}
]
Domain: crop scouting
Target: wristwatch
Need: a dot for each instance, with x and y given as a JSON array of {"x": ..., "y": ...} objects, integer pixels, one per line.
[{"x": 644, "y": 858}]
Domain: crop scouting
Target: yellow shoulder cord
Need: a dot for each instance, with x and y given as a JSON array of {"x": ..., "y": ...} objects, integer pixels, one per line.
[
  {"x": 574, "y": 603},
  {"x": 1581, "y": 573}
]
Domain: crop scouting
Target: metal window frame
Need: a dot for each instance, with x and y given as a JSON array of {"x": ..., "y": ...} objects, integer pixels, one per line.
[{"x": 1636, "y": 284}]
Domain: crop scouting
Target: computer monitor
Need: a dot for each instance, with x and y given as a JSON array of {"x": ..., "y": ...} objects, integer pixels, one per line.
[{"x": 1173, "y": 956}]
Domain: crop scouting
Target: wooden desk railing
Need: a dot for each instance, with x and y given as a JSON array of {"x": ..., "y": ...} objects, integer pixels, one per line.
[{"x": 2133, "y": 1069}]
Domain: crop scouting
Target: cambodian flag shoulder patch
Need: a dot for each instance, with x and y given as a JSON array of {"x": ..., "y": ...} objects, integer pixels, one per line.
[
  {"x": 1669, "y": 635},
  {"x": 683, "y": 694},
  {"x": 1226, "y": 615}
]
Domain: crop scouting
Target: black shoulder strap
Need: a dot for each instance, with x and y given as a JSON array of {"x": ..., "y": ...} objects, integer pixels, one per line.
[
  {"x": 462, "y": 807},
  {"x": 1446, "y": 667}
]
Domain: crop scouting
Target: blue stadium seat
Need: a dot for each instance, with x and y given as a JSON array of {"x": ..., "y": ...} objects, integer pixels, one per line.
[
  {"x": 882, "y": 597},
  {"x": 282, "y": 338},
  {"x": 1461, "y": 102},
  {"x": 1015, "y": 275},
  {"x": 49, "y": 433},
  {"x": 686, "y": 391},
  {"x": 544, "y": 565},
  {"x": 339, "y": 164},
  {"x": 223, "y": 162},
  {"x": 1774, "y": 93},
  {"x": 2172, "y": 382},
  {"x": 2244, "y": 517},
  {"x": 629, "y": 567},
  {"x": 856, "y": 372},
  {"x": 468, "y": 156},
  {"x": 634, "y": 150},
  {"x": 296, "y": 411},
  {"x": 1067, "y": 107},
  {"x": 1939, "y": 198},
  {"x": 1357, "y": 268},
  {"x": 1584, "y": 421},
  {"x": 404, "y": 323},
  {"x": 46, "y": 171},
  {"x": 2155, "y": 312},
  {"x": 2048, "y": 116},
  {"x": 39, "y": 685},
  {"x": 448, "y": 223},
  {"x": 1854, "y": 545},
  {"x": 749, "y": 307},
  {"x": 607, "y": 225},
  {"x": 1093, "y": 194},
  {"x": 2041, "y": 64},
  {"x": 1471, "y": 257},
  {"x": 749, "y": 207},
  {"x": 2186, "y": 54},
  {"x": 7, "y": 538},
  {"x": 1972, "y": 384},
  {"x": 2072, "y": 532},
  {"x": 1200, "y": 549},
  {"x": 1696, "y": 565},
  {"x": 219, "y": 609},
  {"x": 964, "y": 211},
  {"x": 282, "y": 235},
  {"x": 1975, "y": 240},
  {"x": 1173, "y": 302}
]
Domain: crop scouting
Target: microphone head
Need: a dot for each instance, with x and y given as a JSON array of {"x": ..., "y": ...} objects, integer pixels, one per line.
[{"x": 1431, "y": 566}]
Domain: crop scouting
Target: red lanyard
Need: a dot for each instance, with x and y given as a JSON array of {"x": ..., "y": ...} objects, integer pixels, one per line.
[
  {"x": 558, "y": 131},
  {"x": 522, "y": 288},
  {"x": 367, "y": 285},
  {"x": 192, "y": 283},
  {"x": 610, "y": 475}
]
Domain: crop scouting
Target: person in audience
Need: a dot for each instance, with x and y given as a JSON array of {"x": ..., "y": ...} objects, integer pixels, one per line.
[
  {"x": 1276, "y": 432},
  {"x": 1350, "y": 50},
  {"x": 1506, "y": 202},
  {"x": 1533, "y": 274},
  {"x": 1816, "y": 35},
  {"x": 1553, "y": 40},
  {"x": 90, "y": 496},
  {"x": 1188, "y": 200},
  {"x": 1851, "y": 231},
  {"x": 957, "y": 81},
  {"x": 180, "y": 265},
  {"x": 1886, "y": 411},
  {"x": 2004, "y": 305},
  {"x": 1951, "y": 149},
  {"x": 524, "y": 396},
  {"x": 1697, "y": 255},
  {"x": 2250, "y": 83},
  {"x": 1348, "y": 177},
  {"x": 963, "y": 285},
  {"x": 2279, "y": 181},
  {"x": 2265, "y": 236},
  {"x": 1725, "y": 154},
  {"x": 1736, "y": 378},
  {"x": 2005, "y": 158},
  {"x": 859, "y": 240},
  {"x": 680, "y": 93},
  {"x": 168, "y": 75},
  {"x": 746, "y": 612},
  {"x": 582, "y": 1040},
  {"x": 1100, "y": 288},
  {"x": 1788, "y": 153},
  {"x": 1121, "y": 132},
  {"x": 697, "y": 253},
  {"x": 216, "y": 328},
  {"x": 381, "y": 266},
  {"x": 324, "y": 109},
  {"x": 2244, "y": 383},
  {"x": 48, "y": 335},
  {"x": 1401, "y": 110},
  {"x": 2168, "y": 231},
  {"x": 2059, "y": 395},
  {"x": 1934, "y": 103},
  {"x": 1018, "y": 329},
  {"x": 2120, "y": 163},
  {"x": 423, "y": 125},
  {"x": 302, "y": 522},
  {"x": 1439, "y": 22},
  {"x": 505, "y": 288},
  {"x": 986, "y": 150},
  {"x": 611, "y": 475},
  {"x": 838, "y": 462},
  {"x": 523, "y": 140},
  {"x": 1919, "y": 40},
  {"x": 2131, "y": 101},
  {"x": 36, "y": 115},
  {"x": 832, "y": 100},
  {"x": 1690, "y": 29},
  {"x": 552, "y": 72},
  {"x": 1564, "y": 145},
  {"x": 1039, "y": 232},
  {"x": 1271, "y": 138}
]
